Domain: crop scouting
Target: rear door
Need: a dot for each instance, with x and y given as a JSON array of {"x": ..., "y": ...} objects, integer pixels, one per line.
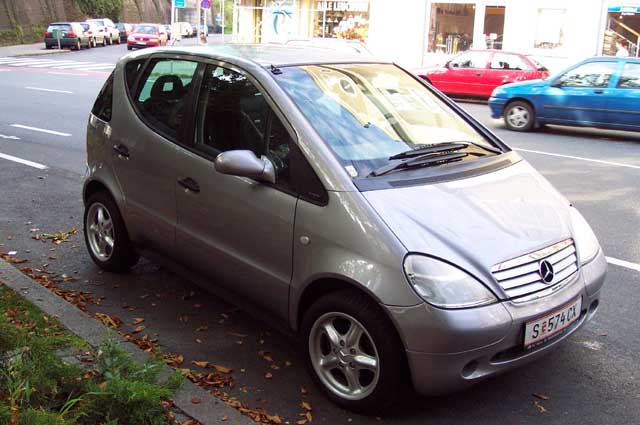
[
  {"x": 236, "y": 230},
  {"x": 579, "y": 96},
  {"x": 145, "y": 146},
  {"x": 623, "y": 100},
  {"x": 465, "y": 74}
]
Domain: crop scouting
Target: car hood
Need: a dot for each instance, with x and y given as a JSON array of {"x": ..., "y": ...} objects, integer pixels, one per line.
[
  {"x": 526, "y": 85},
  {"x": 477, "y": 222}
]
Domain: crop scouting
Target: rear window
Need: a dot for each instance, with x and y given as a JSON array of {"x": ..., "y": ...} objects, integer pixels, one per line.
[
  {"x": 59, "y": 27},
  {"x": 104, "y": 103},
  {"x": 98, "y": 22}
]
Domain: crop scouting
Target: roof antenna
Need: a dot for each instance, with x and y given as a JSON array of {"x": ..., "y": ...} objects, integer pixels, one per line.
[{"x": 275, "y": 70}]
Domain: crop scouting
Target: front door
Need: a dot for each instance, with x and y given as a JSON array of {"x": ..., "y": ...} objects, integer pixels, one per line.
[
  {"x": 236, "y": 230},
  {"x": 144, "y": 147},
  {"x": 465, "y": 74},
  {"x": 579, "y": 95}
]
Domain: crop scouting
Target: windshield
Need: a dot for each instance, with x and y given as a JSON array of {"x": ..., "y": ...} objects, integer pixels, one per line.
[
  {"x": 146, "y": 29},
  {"x": 367, "y": 113}
]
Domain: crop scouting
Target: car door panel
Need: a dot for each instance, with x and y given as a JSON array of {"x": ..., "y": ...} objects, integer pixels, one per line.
[
  {"x": 464, "y": 74},
  {"x": 623, "y": 99},
  {"x": 578, "y": 97}
]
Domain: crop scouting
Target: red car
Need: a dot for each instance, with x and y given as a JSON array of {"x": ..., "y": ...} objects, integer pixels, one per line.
[
  {"x": 476, "y": 73},
  {"x": 146, "y": 35}
]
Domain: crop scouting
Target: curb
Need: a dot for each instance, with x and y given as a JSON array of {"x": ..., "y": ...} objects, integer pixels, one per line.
[
  {"x": 40, "y": 53},
  {"x": 210, "y": 411}
]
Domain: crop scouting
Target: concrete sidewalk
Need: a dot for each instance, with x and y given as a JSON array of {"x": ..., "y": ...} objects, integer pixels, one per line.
[{"x": 35, "y": 49}]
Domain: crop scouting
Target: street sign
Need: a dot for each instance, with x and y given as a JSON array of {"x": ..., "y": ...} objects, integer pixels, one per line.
[
  {"x": 205, "y": 4},
  {"x": 179, "y": 3}
]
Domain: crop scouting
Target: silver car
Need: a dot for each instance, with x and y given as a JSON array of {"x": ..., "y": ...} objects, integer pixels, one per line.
[{"x": 399, "y": 238}]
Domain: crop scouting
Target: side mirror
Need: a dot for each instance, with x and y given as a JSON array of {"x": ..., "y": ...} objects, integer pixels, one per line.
[
  {"x": 245, "y": 163},
  {"x": 556, "y": 83}
]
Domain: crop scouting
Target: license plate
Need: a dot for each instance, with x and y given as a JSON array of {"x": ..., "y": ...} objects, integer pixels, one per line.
[
  {"x": 551, "y": 325},
  {"x": 142, "y": 43}
]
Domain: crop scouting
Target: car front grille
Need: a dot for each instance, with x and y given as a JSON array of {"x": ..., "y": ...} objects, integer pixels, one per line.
[{"x": 523, "y": 275}]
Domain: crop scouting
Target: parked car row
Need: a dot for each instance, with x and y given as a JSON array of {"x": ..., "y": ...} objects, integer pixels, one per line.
[{"x": 76, "y": 35}]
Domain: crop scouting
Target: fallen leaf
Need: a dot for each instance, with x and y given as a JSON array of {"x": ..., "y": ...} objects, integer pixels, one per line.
[
  {"x": 305, "y": 405},
  {"x": 202, "y": 364},
  {"x": 173, "y": 360},
  {"x": 196, "y": 400},
  {"x": 198, "y": 340},
  {"x": 138, "y": 320},
  {"x": 268, "y": 375},
  {"x": 541, "y": 396},
  {"x": 221, "y": 369},
  {"x": 303, "y": 391},
  {"x": 237, "y": 334},
  {"x": 183, "y": 318},
  {"x": 202, "y": 328},
  {"x": 138, "y": 329},
  {"x": 540, "y": 407}
]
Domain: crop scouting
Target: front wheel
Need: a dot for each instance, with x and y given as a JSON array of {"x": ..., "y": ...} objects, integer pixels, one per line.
[
  {"x": 519, "y": 116},
  {"x": 353, "y": 352},
  {"x": 106, "y": 235}
]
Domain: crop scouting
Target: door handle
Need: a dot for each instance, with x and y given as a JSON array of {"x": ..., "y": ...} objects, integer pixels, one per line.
[
  {"x": 598, "y": 91},
  {"x": 189, "y": 184},
  {"x": 478, "y": 74},
  {"x": 122, "y": 151}
]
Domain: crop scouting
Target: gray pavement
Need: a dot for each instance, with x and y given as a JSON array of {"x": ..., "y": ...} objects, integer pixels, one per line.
[{"x": 593, "y": 379}]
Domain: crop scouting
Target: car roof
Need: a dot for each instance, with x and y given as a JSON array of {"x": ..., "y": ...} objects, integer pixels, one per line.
[
  {"x": 613, "y": 59},
  {"x": 62, "y": 23},
  {"x": 265, "y": 54}
]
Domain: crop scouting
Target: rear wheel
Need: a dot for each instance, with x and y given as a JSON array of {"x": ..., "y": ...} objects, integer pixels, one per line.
[
  {"x": 77, "y": 46},
  {"x": 94, "y": 43},
  {"x": 110, "y": 40},
  {"x": 353, "y": 352},
  {"x": 519, "y": 116},
  {"x": 118, "y": 39},
  {"x": 106, "y": 235}
]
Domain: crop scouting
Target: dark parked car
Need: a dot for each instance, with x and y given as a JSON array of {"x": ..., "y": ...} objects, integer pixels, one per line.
[
  {"x": 598, "y": 92},
  {"x": 125, "y": 30},
  {"x": 70, "y": 34},
  {"x": 476, "y": 73}
]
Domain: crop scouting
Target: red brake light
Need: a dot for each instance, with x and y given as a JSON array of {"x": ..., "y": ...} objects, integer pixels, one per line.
[
  {"x": 71, "y": 34},
  {"x": 47, "y": 34}
]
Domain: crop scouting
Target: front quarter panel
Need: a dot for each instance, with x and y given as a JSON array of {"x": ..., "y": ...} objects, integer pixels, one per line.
[{"x": 349, "y": 242}]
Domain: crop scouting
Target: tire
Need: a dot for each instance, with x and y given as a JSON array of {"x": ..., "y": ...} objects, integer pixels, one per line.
[
  {"x": 48, "y": 46},
  {"x": 118, "y": 256},
  {"x": 118, "y": 40},
  {"x": 129, "y": 47},
  {"x": 373, "y": 388},
  {"x": 104, "y": 41},
  {"x": 519, "y": 116},
  {"x": 77, "y": 46},
  {"x": 94, "y": 43},
  {"x": 110, "y": 41}
]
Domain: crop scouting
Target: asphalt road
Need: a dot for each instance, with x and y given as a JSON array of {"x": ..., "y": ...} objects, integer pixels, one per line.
[{"x": 592, "y": 379}]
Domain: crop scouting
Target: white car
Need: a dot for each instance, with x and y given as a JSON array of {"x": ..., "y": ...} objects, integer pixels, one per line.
[
  {"x": 186, "y": 29},
  {"x": 107, "y": 29}
]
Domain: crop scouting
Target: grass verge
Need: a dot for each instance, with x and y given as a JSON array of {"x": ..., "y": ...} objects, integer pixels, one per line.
[{"x": 89, "y": 386}]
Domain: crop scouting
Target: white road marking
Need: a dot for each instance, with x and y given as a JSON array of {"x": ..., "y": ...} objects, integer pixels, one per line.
[
  {"x": 51, "y": 65},
  {"x": 50, "y": 90},
  {"x": 622, "y": 263},
  {"x": 4, "y": 136},
  {"x": 616, "y": 164},
  {"x": 23, "y": 161},
  {"x": 67, "y": 73},
  {"x": 5, "y": 70},
  {"x": 41, "y": 130},
  {"x": 70, "y": 65}
]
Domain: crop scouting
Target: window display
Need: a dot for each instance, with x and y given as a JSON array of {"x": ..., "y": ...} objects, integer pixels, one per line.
[
  {"x": 550, "y": 28},
  {"x": 451, "y": 27},
  {"x": 342, "y": 19},
  {"x": 622, "y": 33}
]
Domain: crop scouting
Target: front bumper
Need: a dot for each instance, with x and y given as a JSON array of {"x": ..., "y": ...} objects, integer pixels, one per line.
[
  {"x": 449, "y": 350},
  {"x": 137, "y": 45},
  {"x": 496, "y": 104}
]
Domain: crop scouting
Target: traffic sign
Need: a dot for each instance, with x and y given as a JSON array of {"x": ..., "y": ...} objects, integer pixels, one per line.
[
  {"x": 179, "y": 3},
  {"x": 205, "y": 4}
]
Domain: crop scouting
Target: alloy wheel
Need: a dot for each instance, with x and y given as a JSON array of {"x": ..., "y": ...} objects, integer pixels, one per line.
[
  {"x": 100, "y": 231},
  {"x": 344, "y": 356},
  {"x": 518, "y": 116}
]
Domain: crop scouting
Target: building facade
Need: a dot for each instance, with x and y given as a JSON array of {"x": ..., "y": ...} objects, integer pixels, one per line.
[{"x": 418, "y": 33}]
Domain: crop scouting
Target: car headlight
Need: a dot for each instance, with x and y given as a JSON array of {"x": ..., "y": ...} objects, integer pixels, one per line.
[
  {"x": 444, "y": 285},
  {"x": 131, "y": 38},
  {"x": 586, "y": 241}
]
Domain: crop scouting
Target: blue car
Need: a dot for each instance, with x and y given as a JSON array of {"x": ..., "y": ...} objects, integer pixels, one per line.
[{"x": 598, "y": 92}]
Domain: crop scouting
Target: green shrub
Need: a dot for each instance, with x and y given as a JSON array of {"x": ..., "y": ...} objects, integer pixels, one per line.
[
  {"x": 100, "y": 8},
  {"x": 40, "y": 417}
]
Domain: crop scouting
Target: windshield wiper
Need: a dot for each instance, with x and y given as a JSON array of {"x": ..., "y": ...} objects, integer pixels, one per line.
[
  {"x": 441, "y": 147},
  {"x": 426, "y": 160}
]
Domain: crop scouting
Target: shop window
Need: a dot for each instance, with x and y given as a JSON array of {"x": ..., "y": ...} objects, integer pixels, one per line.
[
  {"x": 622, "y": 34},
  {"x": 494, "y": 26},
  {"x": 342, "y": 19},
  {"x": 451, "y": 27},
  {"x": 550, "y": 28}
]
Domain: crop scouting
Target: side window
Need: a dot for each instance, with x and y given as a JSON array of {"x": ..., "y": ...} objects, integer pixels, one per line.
[
  {"x": 470, "y": 60},
  {"x": 163, "y": 92},
  {"x": 592, "y": 74},
  {"x": 234, "y": 115},
  {"x": 630, "y": 78},
  {"x": 131, "y": 71},
  {"x": 509, "y": 62},
  {"x": 104, "y": 103}
]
